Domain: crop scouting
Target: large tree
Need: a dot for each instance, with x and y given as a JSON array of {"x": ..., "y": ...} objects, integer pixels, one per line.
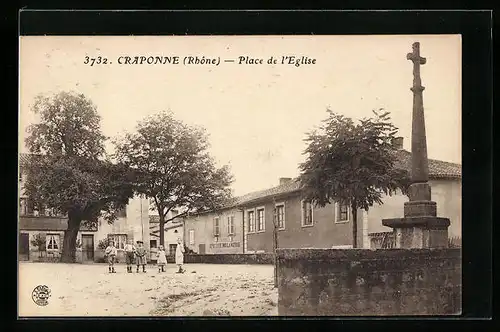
[
  {"x": 173, "y": 167},
  {"x": 352, "y": 163},
  {"x": 67, "y": 171}
]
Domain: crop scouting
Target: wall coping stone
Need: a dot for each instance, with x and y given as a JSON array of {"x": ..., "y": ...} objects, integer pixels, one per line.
[{"x": 375, "y": 254}]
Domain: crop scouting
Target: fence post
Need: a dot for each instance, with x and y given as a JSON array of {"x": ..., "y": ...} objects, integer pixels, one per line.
[{"x": 275, "y": 245}]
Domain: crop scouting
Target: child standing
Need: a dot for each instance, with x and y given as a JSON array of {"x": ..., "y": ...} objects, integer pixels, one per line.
[
  {"x": 111, "y": 253},
  {"x": 161, "y": 259},
  {"x": 129, "y": 255},
  {"x": 179, "y": 255},
  {"x": 140, "y": 256}
]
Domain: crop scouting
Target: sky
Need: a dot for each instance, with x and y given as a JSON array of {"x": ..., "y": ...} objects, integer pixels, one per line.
[{"x": 257, "y": 116}]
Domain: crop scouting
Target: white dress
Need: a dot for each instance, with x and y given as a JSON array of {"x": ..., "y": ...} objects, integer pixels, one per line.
[
  {"x": 179, "y": 254},
  {"x": 162, "y": 259}
]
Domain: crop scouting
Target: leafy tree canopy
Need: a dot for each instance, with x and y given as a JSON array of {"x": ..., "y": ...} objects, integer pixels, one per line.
[
  {"x": 67, "y": 170},
  {"x": 173, "y": 167},
  {"x": 352, "y": 163}
]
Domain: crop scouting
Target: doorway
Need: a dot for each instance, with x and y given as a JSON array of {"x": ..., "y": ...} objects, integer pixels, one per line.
[
  {"x": 87, "y": 247},
  {"x": 24, "y": 247},
  {"x": 172, "y": 248},
  {"x": 201, "y": 247}
]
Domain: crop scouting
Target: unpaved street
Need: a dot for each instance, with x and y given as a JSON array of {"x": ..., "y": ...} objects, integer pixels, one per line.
[{"x": 204, "y": 290}]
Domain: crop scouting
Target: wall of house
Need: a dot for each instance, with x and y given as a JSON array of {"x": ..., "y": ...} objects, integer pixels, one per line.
[
  {"x": 135, "y": 224},
  {"x": 34, "y": 252},
  {"x": 362, "y": 282},
  {"x": 324, "y": 233},
  {"x": 203, "y": 226},
  {"x": 171, "y": 236},
  {"x": 446, "y": 193}
]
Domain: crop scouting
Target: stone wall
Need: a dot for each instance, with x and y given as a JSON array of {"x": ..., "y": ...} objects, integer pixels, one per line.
[{"x": 329, "y": 282}]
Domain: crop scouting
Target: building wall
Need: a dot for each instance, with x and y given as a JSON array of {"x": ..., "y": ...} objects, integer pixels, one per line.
[
  {"x": 171, "y": 236},
  {"x": 324, "y": 233},
  {"x": 34, "y": 253},
  {"x": 446, "y": 193},
  {"x": 135, "y": 225},
  {"x": 203, "y": 227}
]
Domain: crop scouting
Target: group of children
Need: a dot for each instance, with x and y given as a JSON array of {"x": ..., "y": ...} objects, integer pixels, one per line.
[{"x": 139, "y": 255}]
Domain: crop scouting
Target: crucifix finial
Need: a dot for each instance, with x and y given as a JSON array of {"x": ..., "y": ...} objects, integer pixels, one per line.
[{"x": 417, "y": 61}]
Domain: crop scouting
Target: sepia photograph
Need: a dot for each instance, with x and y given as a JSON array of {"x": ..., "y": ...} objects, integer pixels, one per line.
[{"x": 231, "y": 176}]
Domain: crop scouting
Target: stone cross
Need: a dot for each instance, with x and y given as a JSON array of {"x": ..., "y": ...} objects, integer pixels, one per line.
[
  {"x": 417, "y": 61},
  {"x": 420, "y": 168},
  {"x": 420, "y": 227}
]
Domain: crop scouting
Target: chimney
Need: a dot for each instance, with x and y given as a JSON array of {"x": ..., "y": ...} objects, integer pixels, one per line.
[
  {"x": 285, "y": 180},
  {"x": 398, "y": 143}
]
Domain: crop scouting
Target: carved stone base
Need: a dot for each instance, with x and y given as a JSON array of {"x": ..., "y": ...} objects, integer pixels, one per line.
[
  {"x": 419, "y": 232},
  {"x": 420, "y": 209},
  {"x": 419, "y": 192}
]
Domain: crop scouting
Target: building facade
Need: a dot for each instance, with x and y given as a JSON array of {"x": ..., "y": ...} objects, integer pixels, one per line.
[
  {"x": 172, "y": 231},
  {"x": 41, "y": 232},
  {"x": 302, "y": 225},
  {"x": 299, "y": 224},
  {"x": 218, "y": 232},
  {"x": 132, "y": 225}
]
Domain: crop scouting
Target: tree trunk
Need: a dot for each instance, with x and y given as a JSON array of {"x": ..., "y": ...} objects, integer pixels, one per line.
[
  {"x": 354, "y": 209},
  {"x": 69, "y": 243},
  {"x": 162, "y": 228}
]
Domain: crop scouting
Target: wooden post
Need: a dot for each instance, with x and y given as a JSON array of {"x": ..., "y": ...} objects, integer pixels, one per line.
[{"x": 275, "y": 244}]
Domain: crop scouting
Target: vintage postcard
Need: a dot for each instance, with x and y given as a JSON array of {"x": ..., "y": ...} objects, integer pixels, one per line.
[{"x": 239, "y": 175}]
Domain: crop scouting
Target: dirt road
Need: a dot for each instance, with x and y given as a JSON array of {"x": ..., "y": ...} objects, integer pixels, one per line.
[{"x": 204, "y": 290}]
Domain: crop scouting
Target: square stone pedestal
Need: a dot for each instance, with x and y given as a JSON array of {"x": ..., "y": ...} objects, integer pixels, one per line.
[{"x": 419, "y": 232}]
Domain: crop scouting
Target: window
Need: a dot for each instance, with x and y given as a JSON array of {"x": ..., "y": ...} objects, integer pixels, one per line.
[
  {"x": 53, "y": 241},
  {"x": 27, "y": 207},
  {"x": 280, "y": 215},
  {"x": 23, "y": 208},
  {"x": 41, "y": 210},
  {"x": 307, "y": 214},
  {"x": 216, "y": 226},
  {"x": 119, "y": 239},
  {"x": 171, "y": 248},
  {"x": 251, "y": 221},
  {"x": 261, "y": 221},
  {"x": 122, "y": 213},
  {"x": 191, "y": 237},
  {"x": 152, "y": 244},
  {"x": 342, "y": 213},
  {"x": 230, "y": 225}
]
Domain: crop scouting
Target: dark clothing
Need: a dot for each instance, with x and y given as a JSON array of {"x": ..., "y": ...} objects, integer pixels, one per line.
[
  {"x": 111, "y": 260},
  {"x": 129, "y": 258}
]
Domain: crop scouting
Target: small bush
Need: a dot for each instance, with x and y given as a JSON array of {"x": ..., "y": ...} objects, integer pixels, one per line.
[
  {"x": 102, "y": 244},
  {"x": 455, "y": 242}
]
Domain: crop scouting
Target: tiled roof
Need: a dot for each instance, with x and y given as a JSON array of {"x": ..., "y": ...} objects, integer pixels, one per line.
[
  {"x": 288, "y": 187},
  {"x": 437, "y": 170},
  {"x": 23, "y": 158}
]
